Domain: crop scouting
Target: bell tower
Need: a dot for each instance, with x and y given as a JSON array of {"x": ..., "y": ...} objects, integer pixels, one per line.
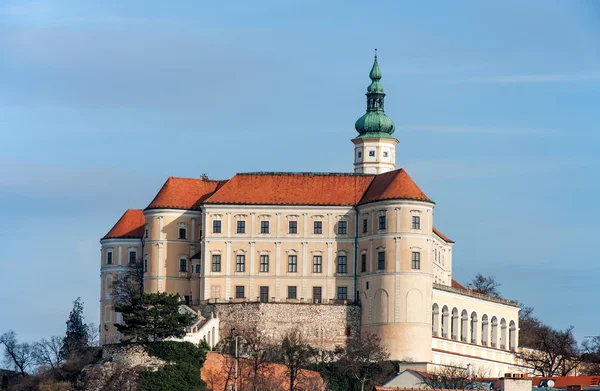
[{"x": 374, "y": 147}]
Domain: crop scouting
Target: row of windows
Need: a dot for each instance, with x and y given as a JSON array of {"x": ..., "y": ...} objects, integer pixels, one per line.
[
  {"x": 342, "y": 228},
  {"x": 293, "y": 227},
  {"x": 292, "y": 293},
  {"x": 132, "y": 257},
  {"x": 342, "y": 263}
]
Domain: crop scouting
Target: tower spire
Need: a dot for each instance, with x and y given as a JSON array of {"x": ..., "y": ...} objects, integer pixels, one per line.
[{"x": 374, "y": 150}]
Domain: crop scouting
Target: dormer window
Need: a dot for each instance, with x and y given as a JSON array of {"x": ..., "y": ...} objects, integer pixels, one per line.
[{"x": 182, "y": 231}]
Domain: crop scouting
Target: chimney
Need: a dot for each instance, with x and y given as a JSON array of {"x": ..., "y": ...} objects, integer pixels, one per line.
[
  {"x": 204, "y": 177},
  {"x": 470, "y": 287}
]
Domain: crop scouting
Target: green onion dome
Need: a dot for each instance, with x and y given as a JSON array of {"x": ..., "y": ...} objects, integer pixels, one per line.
[{"x": 375, "y": 123}]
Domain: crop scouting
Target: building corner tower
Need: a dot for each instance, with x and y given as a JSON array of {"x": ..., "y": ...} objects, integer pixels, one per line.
[{"x": 374, "y": 147}]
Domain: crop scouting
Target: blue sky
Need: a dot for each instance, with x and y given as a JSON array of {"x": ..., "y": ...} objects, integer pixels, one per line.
[{"x": 495, "y": 105}]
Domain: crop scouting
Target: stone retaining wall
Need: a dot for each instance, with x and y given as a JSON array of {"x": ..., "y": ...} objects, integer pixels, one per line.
[{"x": 322, "y": 325}]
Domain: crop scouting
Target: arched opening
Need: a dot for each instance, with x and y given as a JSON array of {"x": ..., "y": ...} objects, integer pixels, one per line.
[
  {"x": 209, "y": 340},
  {"x": 445, "y": 322},
  {"x": 435, "y": 320},
  {"x": 494, "y": 340},
  {"x": 512, "y": 335},
  {"x": 454, "y": 330},
  {"x": 503, "y": 334},
  {"x": 473, "y": 327},
  {"x": 381, "y": 307},
  {"x": 213, "y": 338},
  {"x": 485, "y": 330},
  {"x": 364, "y": 308},
  {"x": 464, "y": 325}
]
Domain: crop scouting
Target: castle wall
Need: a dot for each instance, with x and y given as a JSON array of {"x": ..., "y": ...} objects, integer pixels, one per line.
[{"x": 324, "y": 326}]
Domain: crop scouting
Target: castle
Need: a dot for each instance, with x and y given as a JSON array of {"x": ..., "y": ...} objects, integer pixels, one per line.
[{"x": 340, "y": 239}]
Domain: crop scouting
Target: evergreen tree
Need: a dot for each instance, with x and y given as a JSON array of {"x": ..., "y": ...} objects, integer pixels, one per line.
[
  {"x": 76, "y": 337},
  {"x": 153, "y": 317}
]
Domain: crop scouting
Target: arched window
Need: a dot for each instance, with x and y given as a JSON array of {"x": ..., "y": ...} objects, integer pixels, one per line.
[
  {"x": 454, "y": 329},
  {"x": 473, "y": 327},
  {"x": 503, "y": 334},
  {"x": 435, "y": 320},
  {"x": 108, "y": 286},
  {"x": 494, "y": 340},
  {"x": 464, "y": 325},
  {"x": 485, "y": 330},
  {"x": 512, "y": 335},
  {"x": 445, "y": 322}
]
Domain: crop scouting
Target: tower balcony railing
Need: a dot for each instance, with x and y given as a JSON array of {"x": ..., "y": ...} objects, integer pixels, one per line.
[{"x": 472, "y": 293}]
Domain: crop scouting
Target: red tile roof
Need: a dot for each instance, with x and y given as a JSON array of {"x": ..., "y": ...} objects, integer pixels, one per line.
[
  {"x": 564, "y": 381},
  {"x": 292, "y": 189},
  {"x": 184, "y": 193},
  {"x": 456, "y": 284},
  {"x": 130, "y": 225},
  {"x": 442, "y": 236},
  {"x": 391, "y": 185}
]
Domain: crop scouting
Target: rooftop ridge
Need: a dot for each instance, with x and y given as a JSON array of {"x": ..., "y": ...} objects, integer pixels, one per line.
[
  {"x": 197, "y": 179},
  {"x": 304, "y": 173}
]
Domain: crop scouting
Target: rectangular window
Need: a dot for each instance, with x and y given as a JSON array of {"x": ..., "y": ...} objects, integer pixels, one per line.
[
  {"x": 381, "y": 222},
  {"x": 109, "y": 258},
  {"x": 342, "y": 293},
  {"x": 416, "y": 222},
  {"x": 198, "y": 268},
  {"x": 292, "y": 264},
  {"x": 343, "y": 228},
  {"x": 107, "y": 314},
  {"x": 317, "y": 264},
  {"x": 146, "y": 232},
  {"x": 293, "y": 227},
  {"x": 291, "y": 292},
  {"x": 317, "y": 294},
  {"x": 318, "y": 227},
  {"x": 182, "y": 233},
  {"x": 381, "y": 260},
  {"x": 264, "y": 294},
  {"x": 240, "y": 263},
  {"x": 342, "y": 264},
  {"x": 145, "y": 266},
  {"x": 264, "y": 227},
  {"x": 264, "y": 263},
  {"x": 239, "y": 292},
  {"x": 183, "y": 265},
  {"x": 132, "y": 257},
  {"x": 363, "y": 263},
  {"x": 216, "y": 263},
  {"x": 365, "y": 225},
  {"x": 216, "y": 226},
  {"x": 215, "y": 291},
  {"x": 416, "y": 260},
  {"x": 241, "y": 227}
]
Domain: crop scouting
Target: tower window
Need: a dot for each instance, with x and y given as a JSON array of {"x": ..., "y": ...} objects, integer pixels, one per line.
[
  {"x": 182, "y": 233},
  {"x": 198, "y": 268},
  {"x": 385, "y": 154},
  {"x": 132, "y": 257},
  {"x": 381, "y": 260},
  {"x": 359, "y": 154},
  {"x": 381, "y": 222},
  {"x": 365, "y": 225},
  {"x": 416, "y": 222},
  {"x": 363, "y": 263},
  {"x": 372, "y": 153},
  {"x": 416, "y": 260},
  {"x": 146, "y": 265},
  {"x": 109, "y": 257}
]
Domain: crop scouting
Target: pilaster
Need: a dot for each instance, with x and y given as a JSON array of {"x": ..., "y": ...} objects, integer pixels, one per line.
[
  {"x": 228, "y": 268},
  {"x": 252, "y": 260}
]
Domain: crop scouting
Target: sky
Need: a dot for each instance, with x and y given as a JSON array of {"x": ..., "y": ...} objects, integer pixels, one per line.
[{"x": 495, "y": 105}]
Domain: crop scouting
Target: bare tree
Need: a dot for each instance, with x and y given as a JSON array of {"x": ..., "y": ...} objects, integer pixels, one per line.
[
  {"x": 18, "y": 355},
  {"x": 47, "y": 353},
  {"x": 486, "y": 285},
  {"x": 294, "y": 353},
  {"x": 93, "y": 334},
  {"x": 129, "y": 284},
  {"x": 366, "y": 360},
  {"x": 591, "y": 356},
  {"x": 453, "y": 378},
  {"x": 256, "y": 347},
  {"x": 552, "y": 353}
]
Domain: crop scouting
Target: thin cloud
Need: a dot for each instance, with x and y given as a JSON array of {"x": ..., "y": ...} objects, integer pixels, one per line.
[
  {"x": 573, "y": 77},
  {"x": 459, "y": 129}
]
